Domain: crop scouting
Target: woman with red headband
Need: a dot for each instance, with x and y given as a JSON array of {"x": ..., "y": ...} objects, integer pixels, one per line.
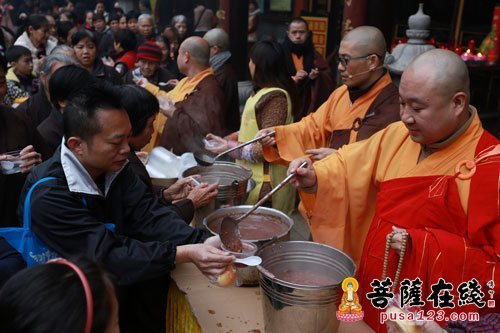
[{"x": 59, "y": 296}]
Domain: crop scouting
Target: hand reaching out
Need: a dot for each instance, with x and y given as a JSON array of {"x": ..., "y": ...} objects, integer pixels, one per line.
[
  {"x": 320, "y": 153},
  {"x": 179, "y": 190},
  {"x": 167, "y": 105},
  {"x": 210, "y": 260},
  {"x": 29, "y": 158},
  {"x": 215, "y": 143},
  {"x": 141, "y": 82},
  {"x": 203, "y": 194},
  {"x": 313, "y": 74},
  {"x": 300, "y": 75}
]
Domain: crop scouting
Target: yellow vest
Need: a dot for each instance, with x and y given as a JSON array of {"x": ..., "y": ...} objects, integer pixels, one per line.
[{"x": 284, "y": 199}]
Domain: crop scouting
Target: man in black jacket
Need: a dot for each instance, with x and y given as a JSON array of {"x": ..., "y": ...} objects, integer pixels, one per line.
[{"x": 94, "y": 186}]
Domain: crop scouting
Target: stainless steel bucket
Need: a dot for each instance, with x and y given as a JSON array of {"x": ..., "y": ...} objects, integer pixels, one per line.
[
  {"x": 234, "y": 184},
  {"x": 232, "y": 179},
  {"x": 301, "y": 305},
  {"x": 249, "y": 275}
]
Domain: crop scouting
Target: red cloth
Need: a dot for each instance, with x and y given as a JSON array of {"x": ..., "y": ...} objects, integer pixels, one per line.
[
  {"x": 445, "y": 242},
  {"x": 129, "y": 58}
]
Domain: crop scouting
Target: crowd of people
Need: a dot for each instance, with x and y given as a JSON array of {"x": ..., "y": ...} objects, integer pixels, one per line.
[{"x": 88, "y": 91}]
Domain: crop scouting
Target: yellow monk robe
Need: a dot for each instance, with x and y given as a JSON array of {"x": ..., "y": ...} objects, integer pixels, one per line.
[
  {"x": 314, "y": 130},
  {"x": 284, "y": 199},
  {"x": 181, "y": 90},
  {"x": 348, "y": 180}
]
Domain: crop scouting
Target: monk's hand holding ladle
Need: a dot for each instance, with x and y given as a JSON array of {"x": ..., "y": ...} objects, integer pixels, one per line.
[
  {"x": 305, "y": 179},
  {"x": 230, "y": 145},
  {"x": 269, "y": 140}
]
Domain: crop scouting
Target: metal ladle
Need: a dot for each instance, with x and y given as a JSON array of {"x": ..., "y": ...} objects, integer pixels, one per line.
[
  {"x": 207, "y": 160},
  {"x": 230, "y": 232}
]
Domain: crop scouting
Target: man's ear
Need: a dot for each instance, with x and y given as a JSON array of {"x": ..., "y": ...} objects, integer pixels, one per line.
[
  {"x": 75, "y": 144},
  {"x": 374, "y": 62},
  {"x": 459, "y": 102},
  {"x": 187, "y": 57}
]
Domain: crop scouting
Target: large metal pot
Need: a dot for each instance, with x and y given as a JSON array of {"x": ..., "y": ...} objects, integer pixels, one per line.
[
  {"x": 301, "y": 286},
  {"x": 232, "y": 179},
  {"x": 234, "y": 185},
  {"x": 270, "y": 223}
]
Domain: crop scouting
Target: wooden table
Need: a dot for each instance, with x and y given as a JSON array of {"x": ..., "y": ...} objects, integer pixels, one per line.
[{"x": 196, "y": 305}]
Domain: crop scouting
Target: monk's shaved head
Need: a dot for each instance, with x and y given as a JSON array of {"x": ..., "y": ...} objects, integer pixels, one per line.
[
  {"x": 447, "y": 71},
  {"x": 198, "y": 49},
  {"x": 367, "y": 40}
]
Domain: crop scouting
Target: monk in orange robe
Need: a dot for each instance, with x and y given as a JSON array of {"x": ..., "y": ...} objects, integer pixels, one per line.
[
  {"x": 434, "y": 176},
  {"x": 365, "y": 104}
]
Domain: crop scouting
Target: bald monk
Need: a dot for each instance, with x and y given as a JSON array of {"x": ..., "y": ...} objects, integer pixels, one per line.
[
  {"x": 412, "y": 179},
  {"x": 365, "y": 104},
  {"x": 194, "y": 108}
]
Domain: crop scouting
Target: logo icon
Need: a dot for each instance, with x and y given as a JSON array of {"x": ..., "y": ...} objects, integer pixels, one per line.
[{"x": 349, "y": 309}]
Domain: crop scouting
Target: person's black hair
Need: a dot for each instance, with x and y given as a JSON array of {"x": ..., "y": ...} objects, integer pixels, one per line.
[
  {"x": 140, "y": 105},
  {"x": 36, "y": 21},
  {"x": 173, "y": 30},
  {"x": 146, "y": 4},
  {"x": 114, "y": 17},
  {"x": 67, "y": 82},
  {"x": 60, "y": 3},
  {"x": 63, "y": 29},
  {"x": 56, "y": 302},
  {"x": 15, "y": 52},
  {"x": 82, "y": 34},
  {"x": 80, "y": 11},
  {"x": 98, "y": 16},
  {"x": 132, "y": 15},
  {"x": 45, "y": 7},
  {"x": 80, "y": 115},
  {"x": 271, "y": 71},
  {"x": 126, "y": 38},
  {"x": 165, "y": 41},
  {"x": 299, "y": 19},
  {"x": 118, "y": 11},
  {"x": 70, "y": 15}
]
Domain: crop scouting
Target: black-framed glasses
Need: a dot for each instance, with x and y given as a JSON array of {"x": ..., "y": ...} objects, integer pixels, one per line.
[{"x": 344, "y": 60}]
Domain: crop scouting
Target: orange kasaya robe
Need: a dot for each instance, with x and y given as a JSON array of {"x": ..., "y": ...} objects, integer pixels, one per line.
[
  {"x": 185, "y": 87},
  {"x": 315, "y": 130},
  {"x": 454, "y": 224}
]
